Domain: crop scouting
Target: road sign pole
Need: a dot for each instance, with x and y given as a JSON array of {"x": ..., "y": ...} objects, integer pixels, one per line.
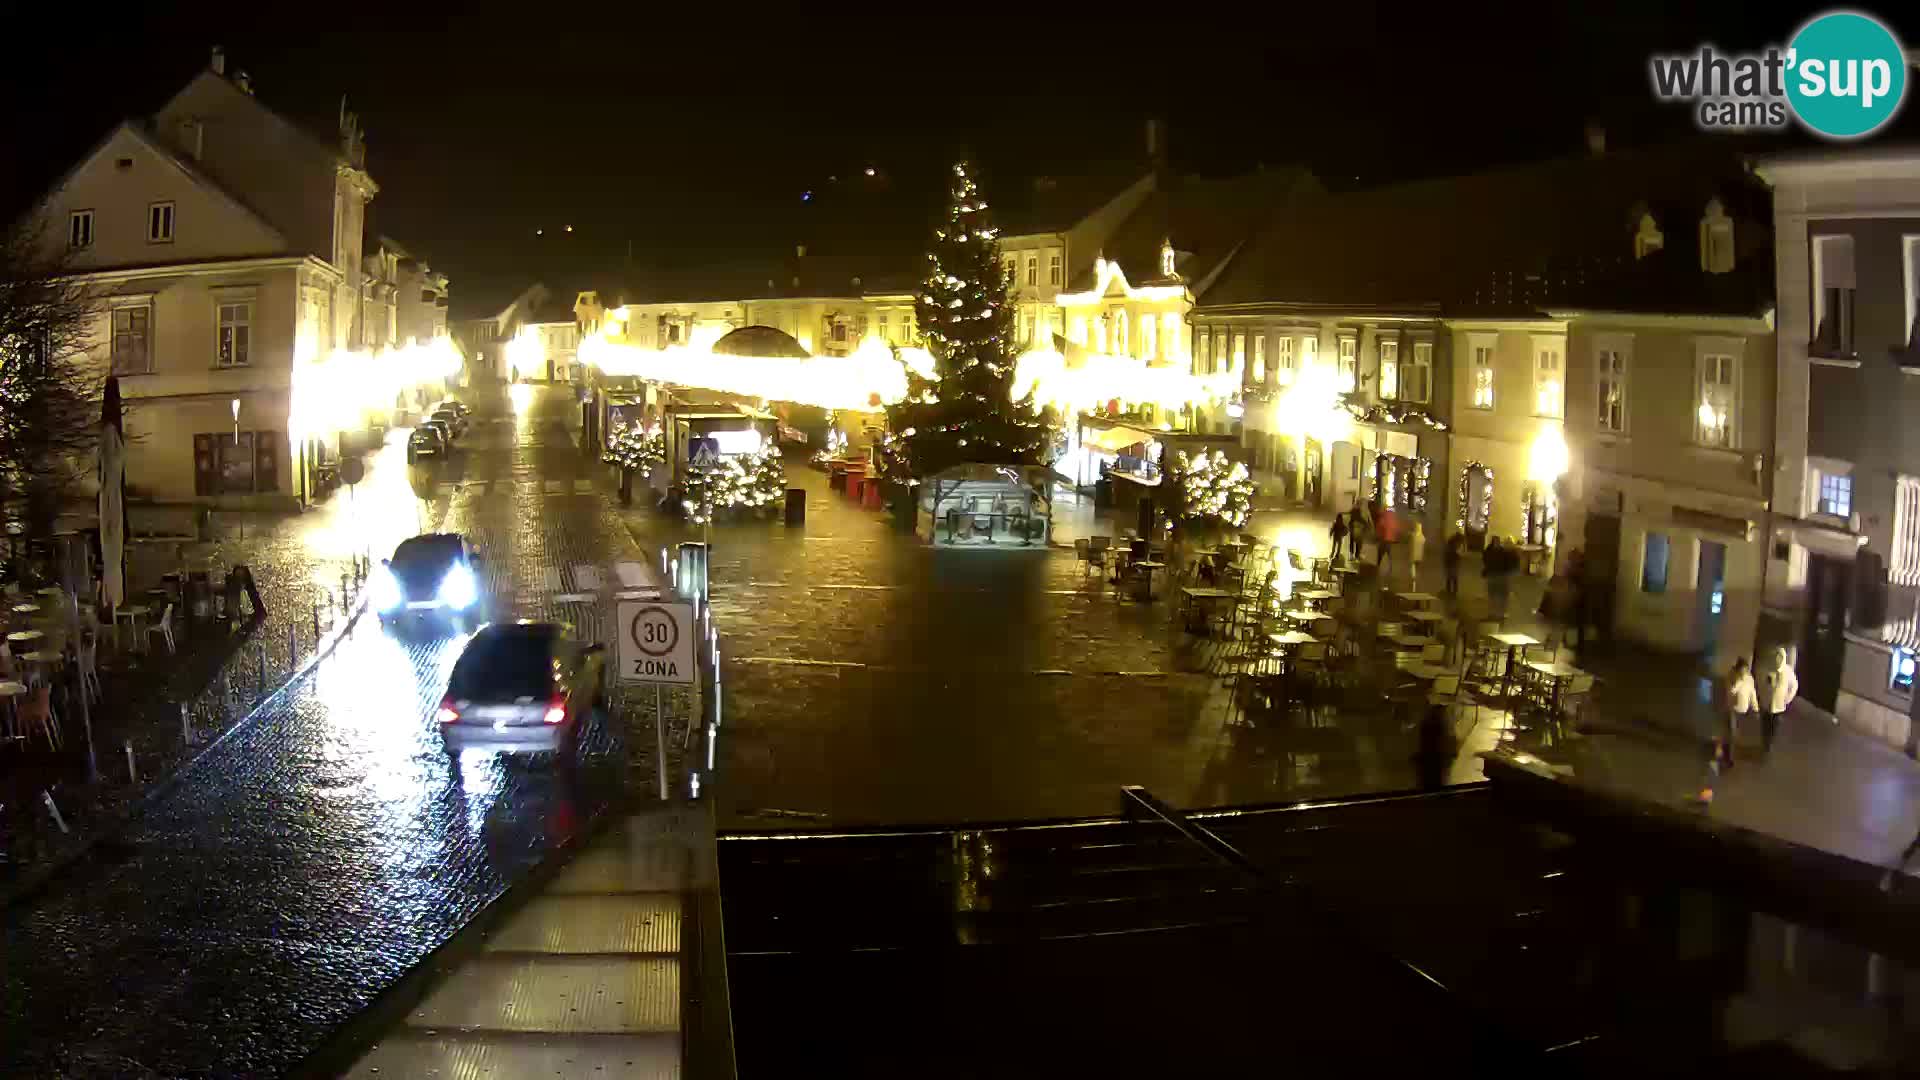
[{"x": 660, "y": 739}]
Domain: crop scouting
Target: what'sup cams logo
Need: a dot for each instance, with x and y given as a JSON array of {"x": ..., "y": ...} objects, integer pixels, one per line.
[{"x": 1843, "y": 76}]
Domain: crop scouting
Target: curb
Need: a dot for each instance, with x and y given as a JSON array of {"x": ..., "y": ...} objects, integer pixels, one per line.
[{"x": 115, "y": 822}]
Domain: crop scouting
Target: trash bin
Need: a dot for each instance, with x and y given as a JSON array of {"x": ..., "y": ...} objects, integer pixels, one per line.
[
  {"x": 870, "y": 497},
  {"x": 199, "y": 594},
  {"x": 796, "y": 506}
]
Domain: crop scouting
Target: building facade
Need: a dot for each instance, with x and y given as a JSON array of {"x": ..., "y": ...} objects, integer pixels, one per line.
[
  {"x": 223, "y": 243},
  {"x": 1844, "y": 580}
]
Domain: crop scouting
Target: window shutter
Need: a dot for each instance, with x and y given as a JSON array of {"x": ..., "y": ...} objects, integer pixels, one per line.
[
  {"x": 266, "y": 461},
  {"x": 203, "y": 465}
]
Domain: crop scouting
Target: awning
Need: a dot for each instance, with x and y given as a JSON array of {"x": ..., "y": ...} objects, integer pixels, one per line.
[{"x": 1113, "y": 438}]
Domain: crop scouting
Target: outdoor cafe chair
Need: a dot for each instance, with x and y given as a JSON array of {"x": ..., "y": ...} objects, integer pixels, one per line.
[
  {"x": 36, "y": 711},
  {"x": 164, "y": 627},
  {"x": 87, "y": 655}
]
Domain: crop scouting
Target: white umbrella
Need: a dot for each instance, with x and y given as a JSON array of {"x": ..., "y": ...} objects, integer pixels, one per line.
[{"x": 113, "y": 515}]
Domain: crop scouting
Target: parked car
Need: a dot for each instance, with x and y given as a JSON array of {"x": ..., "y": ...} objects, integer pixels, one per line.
[
  {"x": 522, "y": 687},
  {"x": 455, "y": 422},
  {"x": 427, "y": 441},
  {"x": 429, "y": 577}
]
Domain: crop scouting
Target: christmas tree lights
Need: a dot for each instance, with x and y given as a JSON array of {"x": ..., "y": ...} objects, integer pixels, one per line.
[
  {"x": 635, "y": 448},
  {"x": 965, "y": 411},
  {"x": 1213, "y": 488}
]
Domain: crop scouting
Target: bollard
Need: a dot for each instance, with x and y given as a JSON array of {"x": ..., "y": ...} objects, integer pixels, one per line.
[
  {"x": 260, "y": 670},
  {"x": 133, "y": 773},
  {"x": 47, "y": 797},
  {"x": 186, "y": 725},
  {"x": 293, "y": 648}
]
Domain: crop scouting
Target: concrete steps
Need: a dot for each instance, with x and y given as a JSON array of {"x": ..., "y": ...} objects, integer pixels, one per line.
[{"x": 584, "y": 980}]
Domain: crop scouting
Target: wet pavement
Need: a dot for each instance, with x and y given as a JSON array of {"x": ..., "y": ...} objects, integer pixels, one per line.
[
  {"x": 870, "y": 679},
  {"x": 328, "y": 844}
]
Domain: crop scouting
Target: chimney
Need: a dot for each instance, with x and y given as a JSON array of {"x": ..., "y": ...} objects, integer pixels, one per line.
[
  {"x": 1156, "y": 143},
  {"x": 244, "y": 81},
  {"x": 219, "y": 60},
  {"x": 1596, "y": 139},
  {"x": 799, "y": 251}
]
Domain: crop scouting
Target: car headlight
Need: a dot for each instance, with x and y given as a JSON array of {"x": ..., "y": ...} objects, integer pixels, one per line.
[
  {"x": 458, "y": 590},
  {"x": 386, "y": 590}
]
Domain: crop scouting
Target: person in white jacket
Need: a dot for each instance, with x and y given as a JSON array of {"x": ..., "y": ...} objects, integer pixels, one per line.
[
  {"x": 1778, "y": 686},
  {"x": 1742, "y": 701}
]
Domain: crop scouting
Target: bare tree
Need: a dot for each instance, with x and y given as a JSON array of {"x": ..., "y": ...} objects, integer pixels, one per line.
[{"x": 50, "y": 387}]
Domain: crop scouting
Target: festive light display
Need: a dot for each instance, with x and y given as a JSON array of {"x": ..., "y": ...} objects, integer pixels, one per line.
[
  {"x": 1486, "y": 496},
  {"x": 1043, "y": 377},
  {"x": 865, "y": 381},
  {"x": 1548, "y": 457},
  {"x": 636, "y": 448},
  {"x": 346, "y": 388},
  {"x": 966, "y": 410},
  {"x": 740, "y": 481},
  {"x": 1213, "y": 488}
]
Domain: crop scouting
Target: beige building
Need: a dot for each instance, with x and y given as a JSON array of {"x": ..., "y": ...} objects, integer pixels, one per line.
[
  {"x": 1060, "y": 227},
  {"x": 224, "y": 242},
  {"x": 829, "y": 305}
]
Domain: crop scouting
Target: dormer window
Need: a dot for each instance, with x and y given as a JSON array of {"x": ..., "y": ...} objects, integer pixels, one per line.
[
  {"x": 1166, "y": 258},
  {"x": 1716, "y": 239},
  {"x": 1647, "y": 237}
]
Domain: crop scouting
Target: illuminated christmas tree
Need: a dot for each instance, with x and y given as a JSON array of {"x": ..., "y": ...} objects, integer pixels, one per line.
[
  {"x": 1213, "y": 489},
  {"x": 634, "y": 448},
  {"x": 966, "y": 412}
]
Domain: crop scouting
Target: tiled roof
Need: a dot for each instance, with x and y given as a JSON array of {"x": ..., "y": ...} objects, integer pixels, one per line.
[
  {"x": 1520, "y": 241},
  {"x": 1057, "y": 203},
  {"x": 1206, "y": 220}
]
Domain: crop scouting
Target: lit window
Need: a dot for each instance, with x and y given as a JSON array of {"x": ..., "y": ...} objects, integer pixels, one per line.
[
  {"x": 1166, "y": 258},
  {"x": 1389, "y": 369},
  {"x": 1836, "y": 494},
  {"x": 1147, "y": 338},
  {"x": 80, "y": 229},
  {"x": 1120, "y": 333},
  {"x": 236, "y": 334},
  {"x": 1483, "y": 374},
  {"x": 1714, "y": 419},
  {"x": 1170, "y": 337},
  {"x": 1548, "y": 389},
  {"x": 1283, "y": 369},
  {"x": 1309, "y": 352},
  {"x": 1239, "y": 362},
  {"x": 1007, "y": 264},
  {"x": 1053, "y": 270},
  {"x": 1033, "y": 269},
  {"x": 1900, "y": 671},
  {"x": 160, "y": 223},
  {"x": 1611, "y": 371},
  {"x": 1653, "y": 567},
  {"x": 885, "y": 332},
  {"x": 1347, "y": 369},
  {"x": 1203, "y": 356},
  {"x": 1260, "y": 359},
  {"x": 1077, "y": 333},
  {"x": 131, "y": 355},
  {"x": 1416, "y": 378}
]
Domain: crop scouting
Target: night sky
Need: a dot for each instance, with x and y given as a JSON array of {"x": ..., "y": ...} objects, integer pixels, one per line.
[{"x": 693, "y": 148}]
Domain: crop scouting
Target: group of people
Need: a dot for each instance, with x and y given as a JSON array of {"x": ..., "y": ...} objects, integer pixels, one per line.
[{"x": 1384, "y": 526}]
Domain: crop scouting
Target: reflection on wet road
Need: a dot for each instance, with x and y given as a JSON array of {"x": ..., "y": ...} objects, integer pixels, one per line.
[{"x": 326, "y": 846}]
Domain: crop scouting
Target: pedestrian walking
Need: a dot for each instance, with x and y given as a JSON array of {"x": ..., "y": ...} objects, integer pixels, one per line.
[
  {"x": 1778, "y": 686},
  {"x": 1493, "y": 566},
  {"x": 1416, "y": 553},
  {"x": 1386, "y": 533},
  {"x": 1742, "y": 702},
  {"x": 1339, "y": 534},
  {"x": 1455, "y": 550},
  {"x": 1356, "y": 535}
]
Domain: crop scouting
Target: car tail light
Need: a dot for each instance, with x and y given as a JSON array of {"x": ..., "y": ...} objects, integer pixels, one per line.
[
  {"x": 556, "y": 710},
  {"x": 447, "y": 714}
]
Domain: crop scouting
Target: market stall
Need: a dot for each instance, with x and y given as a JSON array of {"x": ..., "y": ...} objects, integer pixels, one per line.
[{"x": 981, "y": 505}]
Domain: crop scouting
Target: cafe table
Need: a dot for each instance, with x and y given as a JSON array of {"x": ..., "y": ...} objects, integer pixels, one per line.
[
  {"x": 1413, "y": 641},
  {"x": 1424, "y": 616},
  {"x": 1143, "y": 589},
  {"x": 1315, "y": 597},
  {"x": 1196, "y": 599},
  {"x": 1557, "y": 674},
  {"x": 26, "y": 609},
  {"x": 1415, "y": 600},
  {"x": 1516, "y": 646}
]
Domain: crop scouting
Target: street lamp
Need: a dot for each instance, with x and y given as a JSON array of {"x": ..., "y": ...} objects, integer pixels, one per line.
[{"x": 236, "y": 422}]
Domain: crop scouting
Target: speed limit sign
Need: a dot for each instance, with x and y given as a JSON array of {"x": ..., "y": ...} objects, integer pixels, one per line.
[{"x": 656, "y": 642}]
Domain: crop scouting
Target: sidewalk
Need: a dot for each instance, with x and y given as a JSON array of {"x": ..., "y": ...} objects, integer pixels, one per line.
[{"x": 219, "y": 671}]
